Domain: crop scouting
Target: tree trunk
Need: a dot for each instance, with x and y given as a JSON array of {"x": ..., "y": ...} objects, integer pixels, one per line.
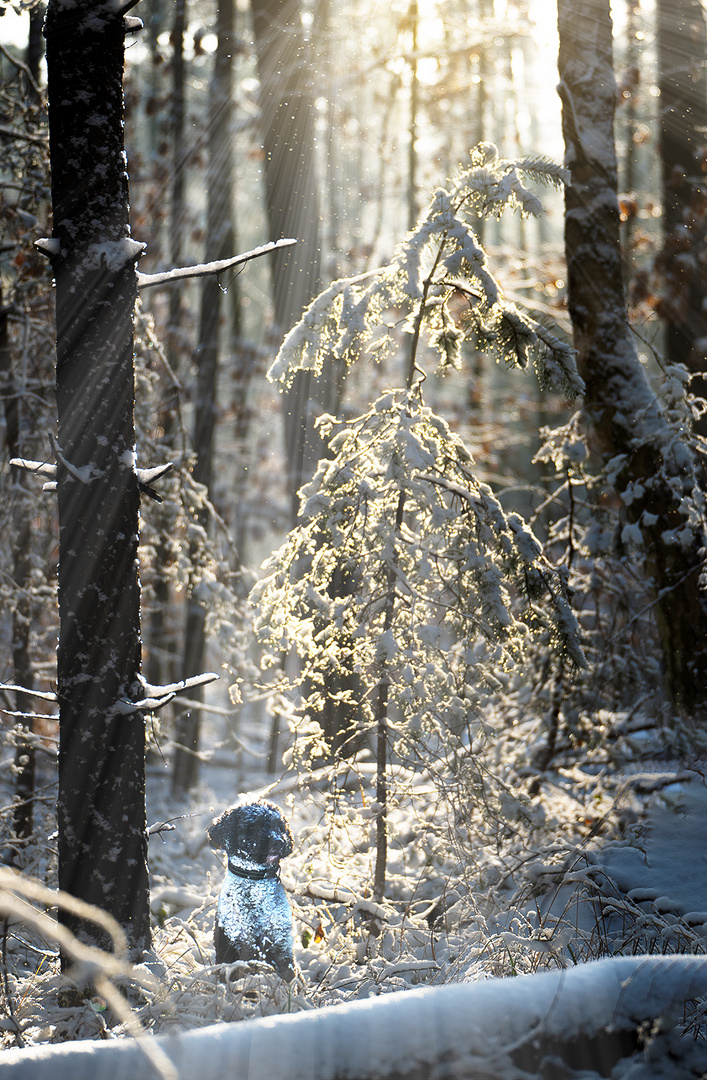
[
  {"x": 287, "y": 69},
  {"x": 219, "y": 245},
  {"x": 162, "y": 641},
  {"x": 101, "y": 801},
  {"x": 292, "y": 197},
  {"x": 682, "y": 55},
  {"x": 35, "y": 45},
  {"x": 655, "y": 481},
  {"x": 631, "y": 79},
  {"x": 412, "y": 19},
  {"x": 22, "y": 815}
]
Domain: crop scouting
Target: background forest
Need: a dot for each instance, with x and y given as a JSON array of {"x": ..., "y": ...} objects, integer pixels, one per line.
[{"x": 421, "y": 522}]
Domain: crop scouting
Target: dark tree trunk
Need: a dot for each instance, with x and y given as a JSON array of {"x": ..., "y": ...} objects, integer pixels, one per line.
[
  {"x": 162, "y": 639},
  {"x": 631, "y": 79},
  {"x": 22, "y": 816},
  {"x": 219, "y": 245},
  {"x": 179, "y": 152},
  {"x": 620, "y": 406},
  {"x": 35, "y": 44},
  {"x": 682, "y": 54},
  {"x": 101, "y": 801}
]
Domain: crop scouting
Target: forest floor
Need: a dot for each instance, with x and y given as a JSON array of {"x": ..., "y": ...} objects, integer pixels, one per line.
[{"x": 608, "y": 859}]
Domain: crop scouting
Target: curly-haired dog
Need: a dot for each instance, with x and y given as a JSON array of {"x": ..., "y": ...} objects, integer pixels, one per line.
[{"x": 253, "y": 920}]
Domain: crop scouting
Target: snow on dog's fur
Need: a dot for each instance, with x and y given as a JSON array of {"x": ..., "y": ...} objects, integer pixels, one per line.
[{"x": 253, "y": 920}]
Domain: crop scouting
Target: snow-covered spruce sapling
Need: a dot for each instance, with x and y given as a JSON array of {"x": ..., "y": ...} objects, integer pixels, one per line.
[{"x": 447, "y": 587}]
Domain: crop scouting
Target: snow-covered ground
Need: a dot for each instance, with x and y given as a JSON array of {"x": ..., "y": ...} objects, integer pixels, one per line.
[{"x": 607, "y": 866}]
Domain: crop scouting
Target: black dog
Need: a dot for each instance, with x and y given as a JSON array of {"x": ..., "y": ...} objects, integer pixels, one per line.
[{"x": 253, "y": 920}]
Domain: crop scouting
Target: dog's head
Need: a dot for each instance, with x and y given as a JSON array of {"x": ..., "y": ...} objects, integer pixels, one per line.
[{"x": 256, "y": 832}]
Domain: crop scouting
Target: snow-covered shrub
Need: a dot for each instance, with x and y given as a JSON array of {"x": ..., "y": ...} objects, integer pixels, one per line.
[{"x": 405, "y": 572}]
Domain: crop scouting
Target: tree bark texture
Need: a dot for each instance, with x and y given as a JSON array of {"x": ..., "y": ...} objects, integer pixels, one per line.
[
  {"x": 622, "y": 410},
  {"x": 682, "y": 264},
  {"x": 101, "y": 801}
]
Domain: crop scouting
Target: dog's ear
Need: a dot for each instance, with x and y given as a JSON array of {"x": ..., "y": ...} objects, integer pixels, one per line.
[
  {"x": 286, "y": 840},
  {"x": 221, "y": 831}
]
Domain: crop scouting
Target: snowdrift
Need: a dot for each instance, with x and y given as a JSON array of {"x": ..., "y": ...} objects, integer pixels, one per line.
[{"x": 504, "y": 1028}]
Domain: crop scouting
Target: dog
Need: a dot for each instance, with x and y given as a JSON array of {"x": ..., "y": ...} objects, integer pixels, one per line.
[{"x": 253, "y": 918}]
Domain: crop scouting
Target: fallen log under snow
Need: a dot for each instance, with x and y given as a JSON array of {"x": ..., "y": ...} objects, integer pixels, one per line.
[{"x": 497, "y": 1028}]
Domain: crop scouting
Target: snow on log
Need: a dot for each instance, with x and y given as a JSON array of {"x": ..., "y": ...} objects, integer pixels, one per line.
[{"x": 494, "y": 1028}]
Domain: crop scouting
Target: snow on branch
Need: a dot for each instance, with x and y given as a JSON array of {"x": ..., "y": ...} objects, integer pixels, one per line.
[
  {"x": 494, "y": 1028},
  {"x": 157, "y": 696},
  {"x": 43, "y": 468},
  {"x": 84, "y": 474},
  {"x": 147, "y": 281},
  {"x": 45, "y": 695},
  {"x": 438, "y": 260},
  {"x": 147, "y": 477}
]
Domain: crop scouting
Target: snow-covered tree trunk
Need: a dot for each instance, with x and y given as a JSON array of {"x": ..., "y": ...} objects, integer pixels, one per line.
[
  {"x": 101, "y": 801},
  {"x": 652, "y": 466}
]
